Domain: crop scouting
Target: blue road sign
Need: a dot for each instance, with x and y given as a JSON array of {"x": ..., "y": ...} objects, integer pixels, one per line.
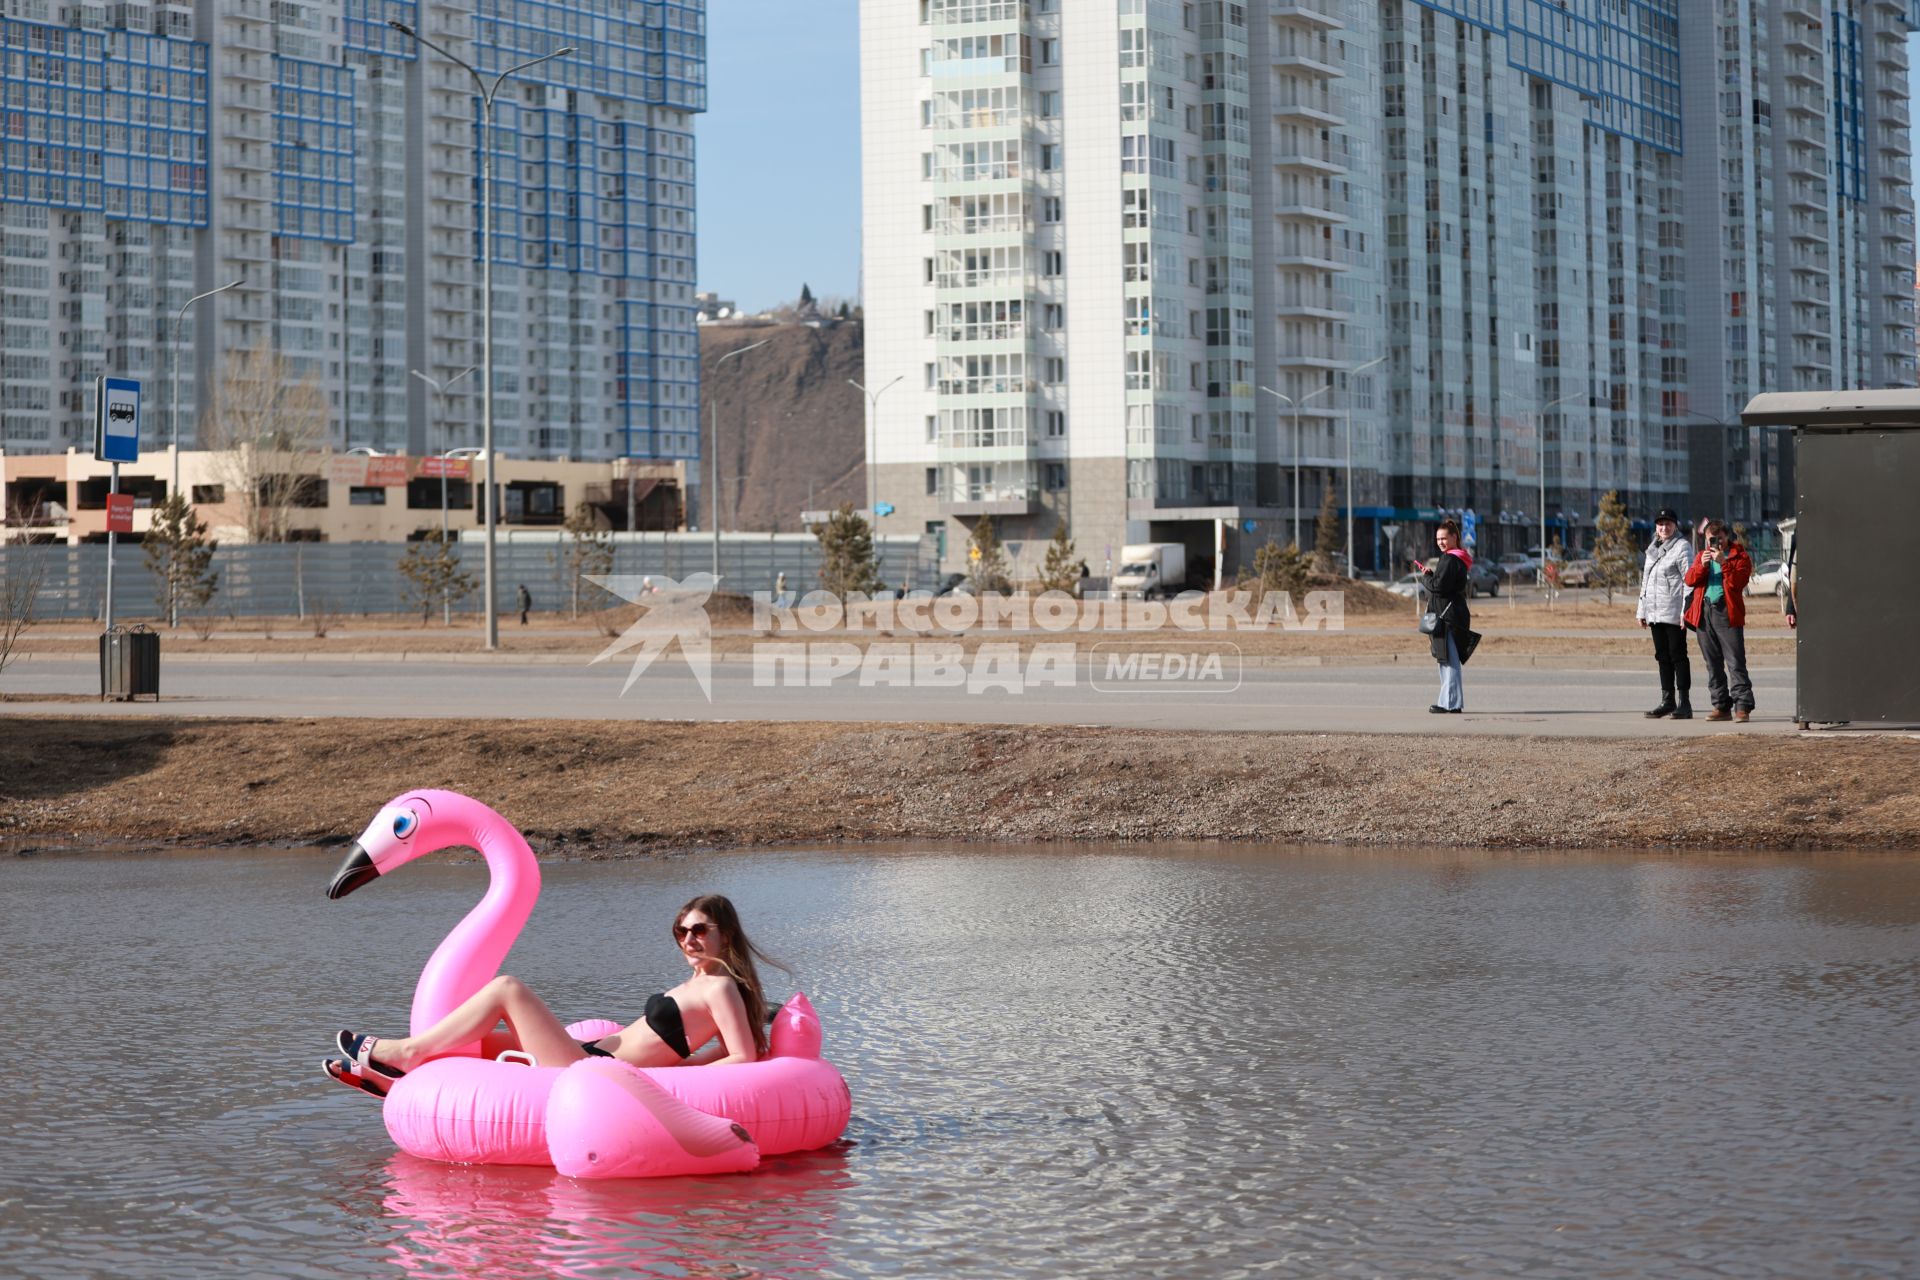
[
  {"x": 883, "y": 508},
  {"x": 116, "y": 434}
]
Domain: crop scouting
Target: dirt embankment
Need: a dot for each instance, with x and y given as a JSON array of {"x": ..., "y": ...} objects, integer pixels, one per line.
[
  {"x": 612, "y": 789},
  {"x": 791, "y": 429}
]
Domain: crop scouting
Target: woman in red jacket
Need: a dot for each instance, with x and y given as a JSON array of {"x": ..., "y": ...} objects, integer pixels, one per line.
[{"x": 1717, "y": 612}]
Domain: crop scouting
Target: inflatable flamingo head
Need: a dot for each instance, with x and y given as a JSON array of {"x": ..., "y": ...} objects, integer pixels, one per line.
[{"x": 409, "y": 827}]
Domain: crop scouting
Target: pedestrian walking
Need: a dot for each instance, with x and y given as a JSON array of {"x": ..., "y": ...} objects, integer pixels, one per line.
[
  {"x": 1662, "y": 611},
  {"x": 1447, "y": 618},
  {"x": 1717, "y": 612},
  {"x": 780, "y": 590},
  {"x": 525, "y": 600}
]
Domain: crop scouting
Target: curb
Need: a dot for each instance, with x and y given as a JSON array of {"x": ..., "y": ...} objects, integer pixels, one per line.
[{"x": 1271, "y": 662}]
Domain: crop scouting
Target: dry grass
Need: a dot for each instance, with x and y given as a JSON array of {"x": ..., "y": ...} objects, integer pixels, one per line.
[{"x": 605, "y": 789}]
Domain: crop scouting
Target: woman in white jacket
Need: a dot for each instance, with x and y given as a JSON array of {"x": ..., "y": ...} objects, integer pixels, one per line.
[{"x": 1663, "y": 603}]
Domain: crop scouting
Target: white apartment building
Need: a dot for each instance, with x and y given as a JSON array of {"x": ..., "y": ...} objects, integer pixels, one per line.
[{"x": 1139, "y": 264}]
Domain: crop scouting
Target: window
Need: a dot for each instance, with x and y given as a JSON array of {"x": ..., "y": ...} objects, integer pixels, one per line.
[
  {"x": 933, "y": 431},
  {"x": 933, "y": 481},
  {"x": 1056, "y": 370},
  {"x": 1056, "y": 476},
  {"x": 1050, "y": 208},
  {"x": 209, "y": 493},
  {"x": 1049, "y": 53},
  {"x": 1049, "y": 157},
  {"x": 1056, "y": 424},
  {"x": 366, "y": 496},
  {"x": 1050, "y": 104},
  {"x": 1051, "y": 262}
]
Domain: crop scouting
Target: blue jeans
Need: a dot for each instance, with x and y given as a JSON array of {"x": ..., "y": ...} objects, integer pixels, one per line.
[{"x": 1452, "y": 697}]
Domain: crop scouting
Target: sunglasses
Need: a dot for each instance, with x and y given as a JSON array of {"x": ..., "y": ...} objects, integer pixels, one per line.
[{"x": 697, "y": 930}]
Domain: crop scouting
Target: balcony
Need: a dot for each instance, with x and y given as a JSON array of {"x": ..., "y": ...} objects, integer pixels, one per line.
[
  {"x": 1313, "y": 157},
  {"x": 1016, "y": 500},
  {"x": 1316, "y": 108},
  {"x": 1801, "y": 36},
  {"x": 1803, "y": 69},
  {"x": 1319, "y": 15}
]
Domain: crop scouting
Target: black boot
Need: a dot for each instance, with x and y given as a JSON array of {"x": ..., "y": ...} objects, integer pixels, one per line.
[
  {"x": 1684, "y": 711},
  {"x": 1664, "y": 709}
]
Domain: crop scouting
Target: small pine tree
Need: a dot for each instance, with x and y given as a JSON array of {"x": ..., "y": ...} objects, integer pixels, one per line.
[
  {"x": 806, "y": 295},
  {"x": 987, "y": 560},
  {"x": 844, "y": 311},
  {"x": 1061, "y": 570},
  {"x": 589, "y": 551},
  {"x": 1614, "y": 556},
  {"x": 1278, "y": 568},
  {"x": 1326, "y": 532},
  {"x": 432, "y": 573},
  {"x": 847, "y": 562},
  {"x": 180, "y": 557}
]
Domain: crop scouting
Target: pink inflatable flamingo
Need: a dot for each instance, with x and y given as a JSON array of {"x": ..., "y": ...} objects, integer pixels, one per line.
[{"x": 597, "y": 1118}]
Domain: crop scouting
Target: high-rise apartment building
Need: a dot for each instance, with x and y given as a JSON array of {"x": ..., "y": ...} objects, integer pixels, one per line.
[
  {"x": 1154, "y": 267},
  {"x": 151, "y": 151}
]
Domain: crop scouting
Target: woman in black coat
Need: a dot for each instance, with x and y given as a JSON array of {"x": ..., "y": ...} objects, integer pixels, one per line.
[{"x": 1446, "y": 583}]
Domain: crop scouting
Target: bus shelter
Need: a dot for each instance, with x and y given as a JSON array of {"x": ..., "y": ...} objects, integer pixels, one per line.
[{"x": 1856, "y": 550}]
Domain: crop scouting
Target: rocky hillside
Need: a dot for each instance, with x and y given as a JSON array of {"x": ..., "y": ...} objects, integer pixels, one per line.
[{"x": 790, "y": 427}]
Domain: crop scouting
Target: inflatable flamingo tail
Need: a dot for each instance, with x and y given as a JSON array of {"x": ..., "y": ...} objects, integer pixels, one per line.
[
  {"x": 606, "y": 1119},
  {"x": 796, "y": 1030}
]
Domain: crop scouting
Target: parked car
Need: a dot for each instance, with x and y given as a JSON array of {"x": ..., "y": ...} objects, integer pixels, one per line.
[
  {"x": 1516, "y": 564},
  {"x": 1576, "y": 573},
  {"x": 1481, "y": 581},
  {"x": 952, "y": 584},
  {"x": 1770, "y": 579}
]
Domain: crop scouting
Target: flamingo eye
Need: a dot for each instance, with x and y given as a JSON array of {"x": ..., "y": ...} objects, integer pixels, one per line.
[{"x": 404, "y": 823}]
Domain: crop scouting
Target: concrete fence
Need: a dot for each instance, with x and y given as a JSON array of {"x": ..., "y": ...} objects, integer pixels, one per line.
[{"x": 292, "y": 579}]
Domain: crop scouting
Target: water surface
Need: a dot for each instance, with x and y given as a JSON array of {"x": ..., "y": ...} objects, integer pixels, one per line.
[{"x": 1160, "y": 1063}]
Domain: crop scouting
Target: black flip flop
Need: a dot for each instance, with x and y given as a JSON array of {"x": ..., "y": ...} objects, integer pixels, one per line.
[
  {"x": 358, "y": 1049},
  {"x": 345, "y": 1074}
]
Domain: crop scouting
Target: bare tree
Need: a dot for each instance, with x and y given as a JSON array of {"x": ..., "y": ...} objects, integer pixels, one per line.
[
  {"x": 20, "y": 579},
  {"x": 267, "y": 429},
  {"x": 589, "y": 550}
]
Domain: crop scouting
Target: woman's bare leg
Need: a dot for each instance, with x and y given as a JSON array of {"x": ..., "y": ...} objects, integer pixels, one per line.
[{"x": 532, "y": 1025}]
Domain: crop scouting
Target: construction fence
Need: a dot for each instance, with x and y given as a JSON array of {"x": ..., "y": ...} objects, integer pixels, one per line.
[{"x": 292, "y": 579}]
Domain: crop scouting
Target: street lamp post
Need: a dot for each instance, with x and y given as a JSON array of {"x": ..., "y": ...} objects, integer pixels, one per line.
[
  {"x": 1351, "y": 375},
  {"x": 1294, "y": 405},
  {"x": 713, "y": 433},
  {"x": 486, "y": 94},
  {"x": 1543, "y": 471},
  {"x": 873, "y": 446},
  {"x": 173, "y": 414},
  {"x": 440, "y": 388}
]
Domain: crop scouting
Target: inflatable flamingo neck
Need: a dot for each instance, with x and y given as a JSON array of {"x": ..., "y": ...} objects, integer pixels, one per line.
[{"x": 470, "y": 956}]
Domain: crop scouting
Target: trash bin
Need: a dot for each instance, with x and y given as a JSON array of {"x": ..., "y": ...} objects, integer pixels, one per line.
[{"x": 130, "y": 663}]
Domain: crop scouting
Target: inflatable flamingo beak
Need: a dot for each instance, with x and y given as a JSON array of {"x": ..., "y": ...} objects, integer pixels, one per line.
[{"x": 354, "y": 872}]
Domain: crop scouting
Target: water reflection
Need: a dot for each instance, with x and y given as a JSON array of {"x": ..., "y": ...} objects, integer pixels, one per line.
[
  {"x": 491, "y": 1221},
  {"x": 1203, "y": 1061}
]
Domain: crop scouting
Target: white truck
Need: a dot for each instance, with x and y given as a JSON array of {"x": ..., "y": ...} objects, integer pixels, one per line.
[{"x": 1149, "y": 569}]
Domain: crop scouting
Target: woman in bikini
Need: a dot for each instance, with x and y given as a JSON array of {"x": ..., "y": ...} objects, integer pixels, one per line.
[{"x": 722, "y": 998}]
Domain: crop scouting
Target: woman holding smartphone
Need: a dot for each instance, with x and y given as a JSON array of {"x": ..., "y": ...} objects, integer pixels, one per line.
[
  {"x": 1717, "y": 612},
  {"x": 1446, "y": 583}
]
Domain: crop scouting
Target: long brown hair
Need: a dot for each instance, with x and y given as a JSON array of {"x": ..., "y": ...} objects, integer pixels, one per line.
[{"x": 737, "y": 956}]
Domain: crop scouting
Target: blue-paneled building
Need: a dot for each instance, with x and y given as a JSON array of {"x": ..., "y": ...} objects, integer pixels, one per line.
[{"x": 149, "y": 152}]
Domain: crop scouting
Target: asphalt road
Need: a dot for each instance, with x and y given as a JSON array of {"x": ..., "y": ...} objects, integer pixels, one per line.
[{"x": 1333, "y": 699}]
